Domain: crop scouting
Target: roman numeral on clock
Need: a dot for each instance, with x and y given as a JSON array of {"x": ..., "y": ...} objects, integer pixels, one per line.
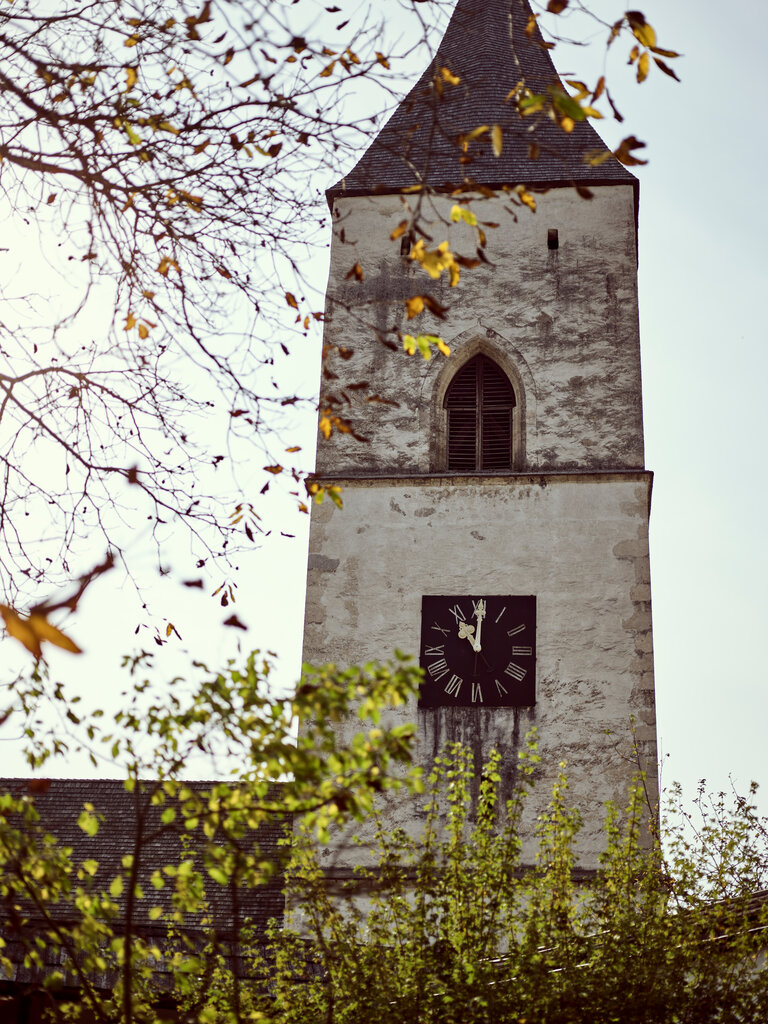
[
  {"x": 438, "y": 669},
  {"x": 522, "y": 650},
  {"x": 477, "y": 693},
  {"x": 515, "y": 671},
  {"x": 458, "y": 614},
  {"x": 516, "y": 630},
  {"x": 453, "y": 686},
  {"x": 437, "y": 652},
  {"x": 500, "y": 687}
]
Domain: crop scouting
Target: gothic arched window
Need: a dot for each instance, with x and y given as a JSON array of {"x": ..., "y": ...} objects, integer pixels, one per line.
[{"x": 479, "y": 403}]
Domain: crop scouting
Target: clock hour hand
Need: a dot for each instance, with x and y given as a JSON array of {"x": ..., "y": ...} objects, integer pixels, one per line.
[{"x": 467, "y": 632}]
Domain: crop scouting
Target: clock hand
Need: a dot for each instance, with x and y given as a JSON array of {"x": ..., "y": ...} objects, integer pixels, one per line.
[
  {"x": 479, "y": 615},
  {"x": 483, "y": 658},
  {"x": 466, "y": 633}
]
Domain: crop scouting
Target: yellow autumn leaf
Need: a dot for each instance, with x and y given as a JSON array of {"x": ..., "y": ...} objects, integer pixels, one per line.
[
  {"x": 409, "y": 344},
  {"x": 476, "y": 133},
  {"x": 131, "y": 78},
  {"x": 531, "y": 104},
  {"x": 449, "y": 77},
  {"x": 442, "y": 347},
  {"x": 399, "y": 231},
  {"x": 132, "y": 40},
  {"x": 325, "y": 427},
  {"x": 165, "y": 265},
  {"x": 435, "y": 261},
  {"x": 643, "y": 66},
  {"x": 582, "y": 91},
  {"x": 130, "y": 321},
  {"x": 382, "y": 60},
  {"x": 462, "y": 213},
  {"x": 643, "y": 32},
  {"x": 133, "y": 135},
  {"x": 595, "y": 157},
  {"x": 414, "y": 306},
  {"x": 497, "y": 139},
  {"x": 328, "y": 71},
  {"x": 143, "y": 332},
  {"x": 526, "y": 197},
  {"x": 31, "y": 632},
  {"x": 665, "y": 53},
  {"x": 567, "y": 124},
  {"x": 45, "y": 631}
]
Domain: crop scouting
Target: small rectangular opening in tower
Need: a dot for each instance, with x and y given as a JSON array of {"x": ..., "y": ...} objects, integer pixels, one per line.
[{"x": 553, "y": 239}]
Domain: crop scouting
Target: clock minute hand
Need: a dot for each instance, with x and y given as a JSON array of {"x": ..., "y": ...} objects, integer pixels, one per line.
[{"x": 479, "y": 615}]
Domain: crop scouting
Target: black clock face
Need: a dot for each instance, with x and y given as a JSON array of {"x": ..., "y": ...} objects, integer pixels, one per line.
[{"x": 478, "y": 651}]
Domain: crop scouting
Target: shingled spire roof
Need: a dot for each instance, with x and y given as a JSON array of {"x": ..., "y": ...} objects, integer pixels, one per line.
[{"x": 486, "y": 46}]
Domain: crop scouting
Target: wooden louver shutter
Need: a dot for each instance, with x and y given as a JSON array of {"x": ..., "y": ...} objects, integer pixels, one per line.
[{"x": 479, "y": 404}]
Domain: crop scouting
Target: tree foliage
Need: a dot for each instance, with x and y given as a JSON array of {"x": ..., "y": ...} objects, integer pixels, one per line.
[
  {"x": 449, "y": 925},
  {"x": 145, "y": 924}
]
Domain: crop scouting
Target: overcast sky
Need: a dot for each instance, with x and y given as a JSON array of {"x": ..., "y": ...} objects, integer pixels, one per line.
[
  {"x": 703, "y": 284},
  {"x": 703, "y": 276}
]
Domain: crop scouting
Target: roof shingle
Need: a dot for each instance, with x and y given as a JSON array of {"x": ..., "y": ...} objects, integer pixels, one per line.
[{"x": 486, "y": 46}]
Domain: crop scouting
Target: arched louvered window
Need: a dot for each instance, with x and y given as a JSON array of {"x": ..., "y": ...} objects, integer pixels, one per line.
[{"x": 479, "y": 404}]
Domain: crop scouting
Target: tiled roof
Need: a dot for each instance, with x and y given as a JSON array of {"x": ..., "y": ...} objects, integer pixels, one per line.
[
  {"x": 59, "y": 803},
  {"x": 486, "y": 46}
]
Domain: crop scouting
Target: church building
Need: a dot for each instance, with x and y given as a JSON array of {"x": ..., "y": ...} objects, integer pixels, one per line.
[{"x": 495, "y": 518}]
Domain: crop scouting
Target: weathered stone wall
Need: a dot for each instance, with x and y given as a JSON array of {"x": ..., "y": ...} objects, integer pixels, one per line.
[
  {"x": 578, "y": 541},
  {"x": 564, "y": 320}
]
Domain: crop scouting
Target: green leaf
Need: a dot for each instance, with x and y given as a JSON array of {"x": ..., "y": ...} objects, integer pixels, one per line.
[{"x": 88, "y": 822}]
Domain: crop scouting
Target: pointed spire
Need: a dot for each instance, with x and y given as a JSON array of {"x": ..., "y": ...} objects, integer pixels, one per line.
[{"x": 487, "y": 48}]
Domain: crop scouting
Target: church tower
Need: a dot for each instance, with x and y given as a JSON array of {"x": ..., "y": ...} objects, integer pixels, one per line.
[{"x": 495, "y": 519}]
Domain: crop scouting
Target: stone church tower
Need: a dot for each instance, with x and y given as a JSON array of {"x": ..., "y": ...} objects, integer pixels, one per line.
[{"x": 495, "y": 523}]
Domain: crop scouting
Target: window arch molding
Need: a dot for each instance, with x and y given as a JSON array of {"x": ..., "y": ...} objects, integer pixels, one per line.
[{"x": 461, "y": 354}]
